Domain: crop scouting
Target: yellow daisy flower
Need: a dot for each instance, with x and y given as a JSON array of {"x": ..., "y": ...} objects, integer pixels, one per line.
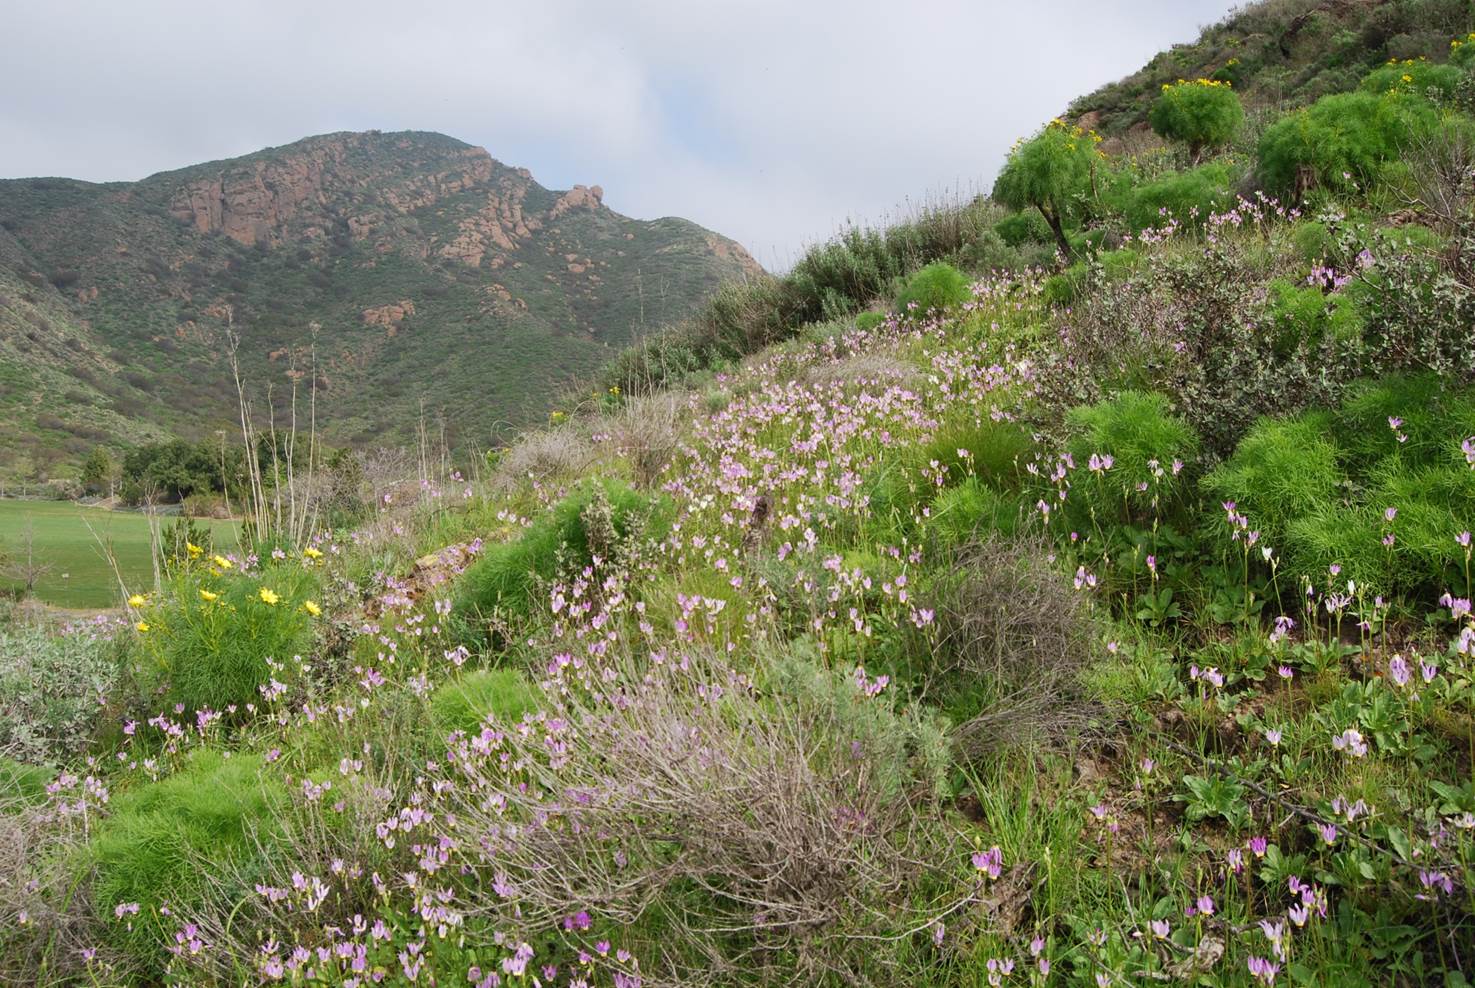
[
  {"x": 142, "y": 626},
  {"x": 137, "y": 600},
  {"x": 312, "y": 553},
  {"x": 222, "y": 562},
  {"x": 312, "y": 608},
  {"x": 268, "y": 597},
  {"x": 207, "y": 596}
]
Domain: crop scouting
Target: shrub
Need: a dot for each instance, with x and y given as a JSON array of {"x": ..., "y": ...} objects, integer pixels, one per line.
[
  {"x": 1340, "y": 142},
  {"x": 211, "y": 640},
  {"x": 1314, "y": 241},
  {"x": 1051, "y": 172},
  {"x": 1304, "y": 314},
  {"x": 462, "y": 704},
  {"x": 1282, "y": 470},
  {"x": 155, "y": 846},
  {"x": 1204, "y": 113},
  {"x": 717, "y": 793},
  {"x": 1014, "y": 637},
  {"x": 937, "y": 287},
  {"x": 993, "y": 452},
  {"x": 595, "y": 518},
  {"x": 1143, "y": 438},
  {"x": 1432, "y": 418},
  {"x": 1415, "y": 77},
  {"x": 1462, "y": 52},
  {"x": 1188, "y": 197},
  {"x": 50, "y": 692},
  {"x": 867, "y": 321},
  {"x": 1023, "y": 227}
]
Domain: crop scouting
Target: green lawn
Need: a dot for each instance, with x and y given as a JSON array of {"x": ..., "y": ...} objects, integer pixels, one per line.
[{"x": 80, "y": 576}]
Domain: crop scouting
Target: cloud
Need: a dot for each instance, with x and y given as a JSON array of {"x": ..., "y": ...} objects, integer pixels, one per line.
[{"x": 772, "y": 122}]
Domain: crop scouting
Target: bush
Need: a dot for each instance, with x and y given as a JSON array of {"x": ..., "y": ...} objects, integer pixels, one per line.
[
  {"x": 719, "y": 787},
  {"x": 1021, "y": 228},
  {"x": 50, "y": 692},
  {"x": 1188, "y": 197},
  {"x": 1305, "y": 315},
  {"x": 154, "y": 847},
  {"x": 1462, "y": 52},
  {"x": 867, "y": 321},
  {"x": 1314, "y": 241},
  {"x": 596, "y": 518},
  {"x": 1283, "y": 469},
  {"x": 1204, "y": 113},
  {"x": 210, "y": 642},
  {"x": 1052, "y": 172},
  {"x": 1432, "y": 418},
  {"x": 1014, "y": 637},
  {"x": 937, "y": 287},
  {"x": 1340, "y": 142},
  {"x": 1414, "y": 77},
  {"x": 1143, "y": 438}
]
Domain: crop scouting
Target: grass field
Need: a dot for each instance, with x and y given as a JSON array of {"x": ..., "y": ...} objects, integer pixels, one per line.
[{"x": 80, "y": 576}]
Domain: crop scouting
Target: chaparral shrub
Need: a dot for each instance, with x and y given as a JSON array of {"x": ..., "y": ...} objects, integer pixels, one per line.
[
  {"x": 1339, "y": 142},
  {"x": 1053, "y": 173},
  {"x": 936, "y": 288},
  {"x": 1202, "y": 113}
]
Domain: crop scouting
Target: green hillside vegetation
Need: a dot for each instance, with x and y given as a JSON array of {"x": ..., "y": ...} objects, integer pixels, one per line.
[
  {"x": 381, "y": 261},
  {"x": 1067, "y": 587}
]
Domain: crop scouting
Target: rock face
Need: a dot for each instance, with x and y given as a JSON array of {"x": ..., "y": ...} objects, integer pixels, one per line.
[
  {"x": 257, "y": 201},
  {"x": 389, "y": 315}
]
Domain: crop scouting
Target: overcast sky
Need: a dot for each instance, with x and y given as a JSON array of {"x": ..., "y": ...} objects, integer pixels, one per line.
[{"x": 771, "y": 121}]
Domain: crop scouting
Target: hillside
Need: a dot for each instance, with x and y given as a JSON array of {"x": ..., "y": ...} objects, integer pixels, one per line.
[
  {"x": 424, "y": 270},
  {"x": 1069, "y": 587}
]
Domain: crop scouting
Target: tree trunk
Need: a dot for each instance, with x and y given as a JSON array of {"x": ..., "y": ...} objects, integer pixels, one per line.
[{"x": 1056, "y": 227}]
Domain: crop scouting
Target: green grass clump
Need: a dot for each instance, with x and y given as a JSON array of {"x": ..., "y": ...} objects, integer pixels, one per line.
[
  {"x": 992, "y": 452},
  {"x": 1314, "y": 241},
  {"x": 507, "y": 575},
  {"x": 972, "y": 509},
  {"x": 462, "y": 704},
  {"x": 1432, "y": 418},
  {"x": 151, "y": 847},
  {"x": 1340, "y": 142},
  {"x": 1143, "y": 437},
  {"x": 937, "y": 287},
  {"x": 869, "y": 320},
  {"x": 1188, "y": 197},
  {"x": 1283, "y": 469},
  {"x": 1304, "y": 314},
  {"x": 22, "y": 785}
]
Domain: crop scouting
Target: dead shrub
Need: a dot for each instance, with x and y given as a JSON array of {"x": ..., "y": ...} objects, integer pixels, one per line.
[
  {"x": 788, "y": 833},
  {"x": 1015, "y": 637},
  {"x": 648, "y": 430},
  {"x": 548, "y": 455}
]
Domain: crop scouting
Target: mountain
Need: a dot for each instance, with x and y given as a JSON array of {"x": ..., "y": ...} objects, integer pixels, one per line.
[{"x": 421, "y": 271}]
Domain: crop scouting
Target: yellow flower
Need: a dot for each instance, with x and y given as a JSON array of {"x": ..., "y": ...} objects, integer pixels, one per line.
[
  {"x": 268, "y": 597},
  {"x": 312, "y": 608},
  {"x": 142, "y": 626},
  {"x": 312, "y": 553},
  {"x": 137, "y": 600},
  {"x": 207, "y": 596},
  {"x": 1407, "y": 77},
  {"x": 193, "y": 550},
  {"x": 221, "y": 561}
]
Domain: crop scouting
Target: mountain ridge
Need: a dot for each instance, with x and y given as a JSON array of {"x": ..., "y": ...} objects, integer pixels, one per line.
[{"x": 408, "y": 251}]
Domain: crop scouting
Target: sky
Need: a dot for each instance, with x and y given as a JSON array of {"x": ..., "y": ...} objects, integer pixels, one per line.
[{"x": 774, "y": 122}]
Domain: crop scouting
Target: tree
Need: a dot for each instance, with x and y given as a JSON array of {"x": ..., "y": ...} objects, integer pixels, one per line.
[
  {"x": 22, "y": 566},
  {"x": 1054, "y": 172},
  {"x": 1204, "y": 113},
  {"x": 97, "y": 472}
]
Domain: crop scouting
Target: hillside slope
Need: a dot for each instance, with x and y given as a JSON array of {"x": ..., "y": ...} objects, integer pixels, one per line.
[{"x": 424, "y": 269}]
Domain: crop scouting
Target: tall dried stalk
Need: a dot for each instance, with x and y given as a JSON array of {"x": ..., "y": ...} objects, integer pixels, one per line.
[{"x": 286, "y": 508}]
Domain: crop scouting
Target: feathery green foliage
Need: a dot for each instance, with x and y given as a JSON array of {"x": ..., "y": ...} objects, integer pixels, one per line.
[{"x": 1202, "y": 113}]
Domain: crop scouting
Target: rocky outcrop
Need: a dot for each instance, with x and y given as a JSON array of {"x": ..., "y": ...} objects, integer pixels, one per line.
[
  {"x": 579, "y": 197},
  {"x": 259, "y": 201},
  {"x": 389, "y": 315}
]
